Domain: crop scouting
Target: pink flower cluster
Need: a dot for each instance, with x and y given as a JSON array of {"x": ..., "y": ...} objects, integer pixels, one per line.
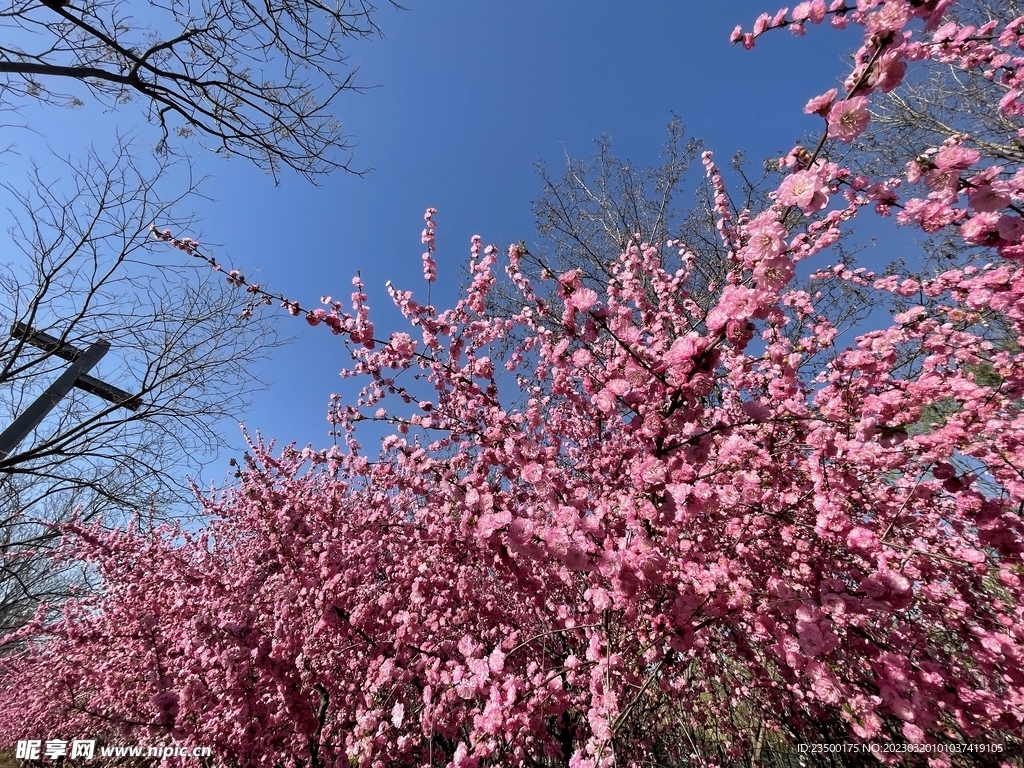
[
  {"x": 637, "y": 516},
  {"x": 428, "y": 238}
]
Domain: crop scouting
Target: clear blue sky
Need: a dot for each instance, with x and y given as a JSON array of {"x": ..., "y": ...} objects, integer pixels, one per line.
[{"x": 470, "y": 95}]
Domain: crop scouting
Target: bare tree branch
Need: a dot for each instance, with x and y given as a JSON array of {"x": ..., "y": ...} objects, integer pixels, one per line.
[
  {"x": 254, "y": 79},
  {"x": 81, "y": 269}
]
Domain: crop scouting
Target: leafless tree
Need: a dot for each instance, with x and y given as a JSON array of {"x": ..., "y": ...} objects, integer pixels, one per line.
[
  {"x": 81, "y": 266},
  {"x": 600, "y": 205},
  {"x": 591, "y": 213},
  {"x": 251, "y": 79},
  {"x": 255, "y": 80}
]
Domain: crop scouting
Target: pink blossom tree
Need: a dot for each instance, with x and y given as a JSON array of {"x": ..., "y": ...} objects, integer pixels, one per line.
[{"x": 654, "y": 532}]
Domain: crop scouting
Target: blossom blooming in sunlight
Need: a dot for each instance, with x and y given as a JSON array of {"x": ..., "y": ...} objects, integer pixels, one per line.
[
  {"x": 820, "y": 105},
  {"x": 429, "y": 238},
  {"x": 989, "y": 197},
  {"x": 944, "y": 184},
  {"x": 848, "y": 118},
  {"x": 483, "y": 368},
  {"x": 810, "y": 10},
  {"x": 804, "y": 189},
  {"x": 766, "y": 238},
  {"x": 647, "y": 513},
  {"x": 775, "y": 273},
  {"x": 956, "y": 157},
  {"x": 583, "y": 299},
  {"x": 888, "y": 73},
  {"x": 403, "y": 344}
]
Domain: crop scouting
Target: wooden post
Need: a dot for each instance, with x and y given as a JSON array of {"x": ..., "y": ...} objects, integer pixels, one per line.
[{"x": 75, "y": 376}]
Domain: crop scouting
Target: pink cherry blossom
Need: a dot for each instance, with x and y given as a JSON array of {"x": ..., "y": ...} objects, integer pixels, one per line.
[
  {"x": 651, "y": 514},
  {"x": 583, "y": 299},
  {"x": 988, "y": 197},
  {"x": 956, "y": 156},
  {"x": 765, "y": 238},
  {"x": 980, "y": 229},
  {"x": 848, "y": 118},
  {"x": 821, "y": 105},
  {"x": 804, "y": 189},
  {"x": 774, "y": 274}
]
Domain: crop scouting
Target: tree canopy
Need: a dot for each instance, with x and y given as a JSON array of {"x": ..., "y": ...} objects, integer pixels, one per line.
[{"x": 653, "y": 530}]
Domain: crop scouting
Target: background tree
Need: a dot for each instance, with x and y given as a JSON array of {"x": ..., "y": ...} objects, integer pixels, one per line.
[
  {"x": 598, "y": 205},
  {"x": 242, "y": 79},
  {"x": 182, "y": 342},
  {"x": 602, "y": 204},
  {"x": 250, "y": 79}
]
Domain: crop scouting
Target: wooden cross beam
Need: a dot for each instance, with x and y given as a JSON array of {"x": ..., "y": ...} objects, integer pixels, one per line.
[{"x": 82, "y": 361}]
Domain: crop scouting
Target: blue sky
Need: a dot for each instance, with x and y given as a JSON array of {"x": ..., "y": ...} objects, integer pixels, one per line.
[{"x": 470, "y": 96}]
